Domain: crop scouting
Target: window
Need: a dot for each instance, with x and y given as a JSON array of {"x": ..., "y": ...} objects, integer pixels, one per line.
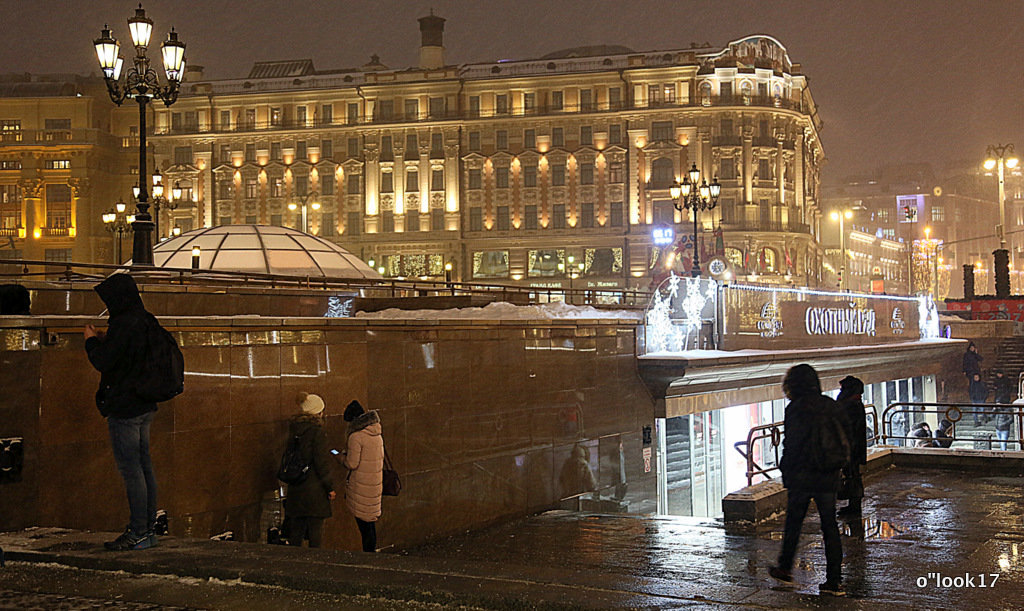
[
  {"x": 225, "y": 220},
  {"x": 224, "y": 188},
  {"x": 58, "y": 206},
  {"x": 765, "y": 129},
  {"x": 354, "y": 184},
  {"x": 586, "y": 135},
  {"x": 191, "y": 120},
  {"x": 412, "y": 181},
  {"x": 614, "y": 97},
  {"x": 764, "y": 171},
  {"x": 587, "y": 215},
  {"x": 276, "y": 220},
  {"x": 300, "y": 149},
  {"x": 327, "y": 227},
  {"x": 530, "y": 217},
  {"x": 58, "y": 164},
  {"x": 10, "y": 130},
  {"x": 529, "y": 176},
  {"x": 557, "y": 136},
  {"x": 490, "y": 264},
  {"x": 586, "y": 99},
  {"x": 437, "y": 180},
  {"x": 385, "y": 110},
  {"x": 502, "y": 139},
  {"x": 250, "y": 219},
  {"x": 727, "y": 128},
  {"x": 352, "y": 113},
  {"x": 664, "y": 213},
  {"x": 474, "y": 141},
  {"x": 501, "y": 178},
  {"x": 352, "y": 225},
  {"x": 476, "y": 219},
  {"x": 474, "y": 106},
  {"x": 250, "y": 152},
  {"x": 654, "y": 94},
  {"x": 387, "y": 182},
  {"x": 387, "y": 221},
  {"x": 725, "y": 90},
  {"x": 12, "y": 164},
  {"x": 353, "y": 147},
  {"x": 412, "y": 220},
  {"x": 586, "y": 173},
  {"x": 503, "y": 218},
  {"x": 436, "y": 145},
  {"x": 276, "y": 186},
  {"x": 615, "y": 172},
  {"x": 225, "y": 119},
  {"x": 615, "y": 214},
  {"x": 386, "y": 153},
  {"x": 275, "y": 116},
  {"x": 474, "y": 179},
  {"x": 669, "y": 93},
  {"x": 728, "y": 168},
  {"x": 412, "y": 109},
  {"x": 10, "y": 206},
  {"x": 438, "y": 108},
  {"x": 558, "y": 216},
  {"x": 250, "y": 118},
  {"x": 252, "y": 188},
  {"x": 57, "y": 255},
  {"x": 938, "y": 214},
  {"x": 326, "y": 149},
  {"x": 603, "y": 261},
  {"x": 183, "y": 155},
  {"x": 661, "y": 130},
  {"x": 662, "y": 173},
  {"x": 300, "y": 116},
  {"x": 883, "y": 216},
  {"x": 501, "y": 104},
  {"x": 327, "y": 183},
  {"x": 411, "y": 146},
  {"x": 615, "y": 133},
  {"x": 557, "y": 175},
  {"x": 529, "y": 101},
  {"x": 275, "y": 152},
  {"x": 530, "y": 138},
  {"x": 175, "y": 121},
  {"x": 54, "y": 124},
  {"x": 437, "y": 219},
  {"x": 557, "y": 101},
  {"x": 327, "y": 114},
  {"x": 545, "y": 262},
  {"x": 225, "y": 153}
]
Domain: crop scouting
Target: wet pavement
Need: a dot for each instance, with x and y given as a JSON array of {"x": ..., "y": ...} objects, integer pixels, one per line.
[{"x": 931, "y": 540}]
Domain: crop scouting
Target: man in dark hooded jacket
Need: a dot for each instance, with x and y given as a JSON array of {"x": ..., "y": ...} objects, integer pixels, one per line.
[
  {"x": 814, "y": 451},
  {"x": 851, "y": 405},
  {"x": 118, "y": 355}
]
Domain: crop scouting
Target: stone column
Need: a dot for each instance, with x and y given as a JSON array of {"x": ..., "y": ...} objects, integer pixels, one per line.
[
  {"x": 451, "y": 184},
  {"x": 371, "y": 188}
]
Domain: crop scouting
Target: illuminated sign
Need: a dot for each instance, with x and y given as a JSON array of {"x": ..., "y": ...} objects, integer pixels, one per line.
[
  {"x": 840, "y": 321},
  {"x": 770, "y": 324},
  {"x": 663, "y": 236}
]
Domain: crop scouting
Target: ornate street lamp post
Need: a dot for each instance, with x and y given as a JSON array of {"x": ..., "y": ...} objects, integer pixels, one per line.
[
  {"x": 842, "y": 217},
  {"x": 118, "y": 223},
  {"x": 140, "y": 82},
  {"x": 303, "y": 199},
  {"x": 159, "y": 201},
  {"x": 1000, "y": 156},
  {"x": 689, "y": 196}
]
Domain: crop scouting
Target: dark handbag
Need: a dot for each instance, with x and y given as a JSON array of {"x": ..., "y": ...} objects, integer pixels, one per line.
[{"x": 392, "y": 484}]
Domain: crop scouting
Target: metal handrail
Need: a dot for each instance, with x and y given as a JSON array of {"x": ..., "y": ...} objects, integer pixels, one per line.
[
  {"x": 91, "y": 272},
  {"x": 953, "y": 412},
  {"x": 775, "y": 431}
]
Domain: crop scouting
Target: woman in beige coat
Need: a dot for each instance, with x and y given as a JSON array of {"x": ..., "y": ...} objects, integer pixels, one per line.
[{"x": 365, "y": 459}]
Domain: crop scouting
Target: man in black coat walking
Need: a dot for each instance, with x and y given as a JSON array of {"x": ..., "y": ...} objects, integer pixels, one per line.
[
  {"x": 118, "y": 354},
  {"x": 814, "y": 451},
  {"x": 851, "y": 405}
]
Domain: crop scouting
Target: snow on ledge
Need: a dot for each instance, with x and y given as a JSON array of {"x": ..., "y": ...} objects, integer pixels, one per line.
[{"x": 506, "y": 311}]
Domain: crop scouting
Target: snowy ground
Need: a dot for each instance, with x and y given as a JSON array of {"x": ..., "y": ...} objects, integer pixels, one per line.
[{"x": 508, "y": 311}]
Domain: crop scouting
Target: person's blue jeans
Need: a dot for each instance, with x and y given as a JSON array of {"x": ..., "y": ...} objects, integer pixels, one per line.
[
  {"x": 796, "y": 510},
  {"x": 1003, "y": 435},
  {"x": 129, "y": 438}
]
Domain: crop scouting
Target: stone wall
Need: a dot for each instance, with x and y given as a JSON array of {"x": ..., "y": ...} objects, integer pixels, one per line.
[{"x": 478, "y": 417}]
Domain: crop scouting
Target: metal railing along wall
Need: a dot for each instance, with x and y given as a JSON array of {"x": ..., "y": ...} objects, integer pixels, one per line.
[{"x": 954, "y": 412}]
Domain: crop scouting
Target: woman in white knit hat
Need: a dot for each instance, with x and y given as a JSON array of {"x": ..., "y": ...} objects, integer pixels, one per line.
[{"x": 308, "y": 503}]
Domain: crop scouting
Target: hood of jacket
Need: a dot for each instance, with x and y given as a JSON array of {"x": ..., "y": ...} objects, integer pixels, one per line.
[
  {"x": 366, "y": 420},
  {"x": 801, "y": 381},
  {"x": 120, "y": 294}
]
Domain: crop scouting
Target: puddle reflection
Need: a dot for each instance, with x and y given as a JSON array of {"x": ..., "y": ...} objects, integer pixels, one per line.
[{"x": 872, "y": 528}]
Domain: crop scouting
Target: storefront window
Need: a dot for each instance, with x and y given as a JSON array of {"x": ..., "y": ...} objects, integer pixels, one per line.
[
  {"x": 544, "y": 263},
  {"x": 603, "y": 261},
  {"x": 490, "y": 264}
]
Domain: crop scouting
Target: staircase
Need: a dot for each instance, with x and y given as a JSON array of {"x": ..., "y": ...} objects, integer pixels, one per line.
[{"x": 1010, "y": 358}]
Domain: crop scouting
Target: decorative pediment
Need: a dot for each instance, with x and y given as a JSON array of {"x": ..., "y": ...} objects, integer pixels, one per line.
[
  {"x": 474, "y": 157},
  {"x": 662, "y": 146},
  {"x": 353, "y": 166},
  {"x": 529, "y": 157}
]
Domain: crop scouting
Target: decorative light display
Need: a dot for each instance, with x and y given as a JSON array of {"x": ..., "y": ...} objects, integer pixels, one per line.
[{"x": 674, "y": 320}]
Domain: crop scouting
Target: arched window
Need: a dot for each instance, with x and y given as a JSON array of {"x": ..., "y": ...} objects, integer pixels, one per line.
[
  {"x": 705, "y": 93},
  {"x": 768, "y": 261},
  {"x": 662, "y": 173},
  {"x": 735, "y": 257},
  {"x": 746, "y": 89}
]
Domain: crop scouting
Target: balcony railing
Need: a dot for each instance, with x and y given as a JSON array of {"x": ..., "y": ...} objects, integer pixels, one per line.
[
  {"x": 59, "y": 137},
  {"x": 55, "y": 232},
  {"x": 9, "y": 232},
  {"x": 773, "y": 226}
]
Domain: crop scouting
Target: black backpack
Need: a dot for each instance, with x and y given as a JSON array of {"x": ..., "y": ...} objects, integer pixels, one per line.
[
  {"x": 294, "y": 468},
  {"x": 830, "y": 448},
  {"x": 163, "y": 367}
]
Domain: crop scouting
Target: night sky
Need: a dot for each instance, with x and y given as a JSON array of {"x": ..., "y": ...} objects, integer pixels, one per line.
[{"x": 895, "y": 81}]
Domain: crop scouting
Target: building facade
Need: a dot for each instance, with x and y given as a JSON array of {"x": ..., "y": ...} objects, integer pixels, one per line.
[{"x": 506, "y": 170}]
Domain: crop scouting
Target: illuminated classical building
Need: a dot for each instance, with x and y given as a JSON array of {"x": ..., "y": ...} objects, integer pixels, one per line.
[{"x": 507, "y": 169}]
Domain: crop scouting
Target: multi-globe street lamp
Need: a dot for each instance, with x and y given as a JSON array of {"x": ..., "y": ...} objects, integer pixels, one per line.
[
  {"x": 573, "y": 269},
  {"x": 305, "y": 205},
  {"x": 159, "y": 201},
  {"x": 695, "y": 196},
  {"x": 999, "y": 157},
  {"x": 118, "y": 223},
  {"x": 842, "y": 217},
  {"x": 141, "y": 83}
]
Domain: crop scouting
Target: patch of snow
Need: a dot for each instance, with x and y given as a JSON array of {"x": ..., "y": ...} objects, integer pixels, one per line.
[{"x": 506, "y": 311}]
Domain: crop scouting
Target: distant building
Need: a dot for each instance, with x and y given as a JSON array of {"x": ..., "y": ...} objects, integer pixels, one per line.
[{"x": 506, "y": 169}]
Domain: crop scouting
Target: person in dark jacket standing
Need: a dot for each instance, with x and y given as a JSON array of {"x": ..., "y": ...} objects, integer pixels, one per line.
[
  {"x": 944, "y": 434},
  {"x": 1002, "y": 388},
  {"x": 978, "y": 392},
  {"x": 814, "y": 451},
  {"x": 308, "y": 503},
  {"x": 851, "y": 405},
  {"x": 1004, "y": 422},
  {"x": 118, "y": 355},
  {"x": 972, "y": 362}
]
